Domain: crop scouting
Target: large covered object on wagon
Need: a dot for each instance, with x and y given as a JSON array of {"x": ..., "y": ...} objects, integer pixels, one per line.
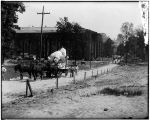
[{"x": 59, "y": 57}]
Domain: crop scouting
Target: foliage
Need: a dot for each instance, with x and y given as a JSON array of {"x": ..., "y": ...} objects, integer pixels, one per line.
[
  {"x": 140, "y": 43},
  {"x": 70, "y": 35},
  {"x": 133, "y": 41},
  {"x": 120, "y": 39},
  {"x": 120, "y": 49},
  {"x": 9, "y": 18},
  {"x": 108, "y": 48},
  {"x": 127, "y": 30},
  {"x": 64, "y": 26},
  {"x": 104, "y": 37},
  {"x": 131, "y": 45}
]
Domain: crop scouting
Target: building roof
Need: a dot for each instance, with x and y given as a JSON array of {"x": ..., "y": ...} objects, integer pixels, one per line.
[
  {"x": 45, "y": 30},
  {"x": 36, "y": 30}
]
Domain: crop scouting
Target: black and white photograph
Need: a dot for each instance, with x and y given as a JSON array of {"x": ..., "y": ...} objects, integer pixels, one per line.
[{"x": 80, "y": 59}]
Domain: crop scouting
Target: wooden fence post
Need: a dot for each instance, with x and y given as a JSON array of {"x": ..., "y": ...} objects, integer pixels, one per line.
[
  {"x": 26, "y": 88},
  {"x": 97, "y": 72},
  {"x": 57, "y": 82},
  {"x": 30, "y": 89},
  {"x": 92, "y": 73},
  {"x": 85, "y": 76}
]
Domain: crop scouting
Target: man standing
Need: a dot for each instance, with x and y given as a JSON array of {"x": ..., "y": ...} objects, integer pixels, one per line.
[{"x": 3, "y": 71}]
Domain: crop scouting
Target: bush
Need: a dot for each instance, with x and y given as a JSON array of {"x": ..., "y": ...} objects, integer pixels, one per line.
[{"x": 125, "y": 91}]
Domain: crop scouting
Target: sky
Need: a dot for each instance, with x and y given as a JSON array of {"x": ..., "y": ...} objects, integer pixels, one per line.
[{"x": 102, "y": 17}]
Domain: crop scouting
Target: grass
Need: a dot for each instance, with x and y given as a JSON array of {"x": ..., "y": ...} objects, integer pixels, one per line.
[
  {"x": 124, "y": 74},
  {"x": 129, "y": 92},
  {"x": 94, "y": 64},
  {"x": 115, "y": 91}
]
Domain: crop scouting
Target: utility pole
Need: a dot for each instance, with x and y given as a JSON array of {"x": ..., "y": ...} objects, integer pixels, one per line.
[{"x": 42, "y": 30}]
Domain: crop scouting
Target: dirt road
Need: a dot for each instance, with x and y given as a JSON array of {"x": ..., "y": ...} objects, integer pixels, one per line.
[
  {"x": 85, "y": 99},
  {"x": 15, "y": 87}
]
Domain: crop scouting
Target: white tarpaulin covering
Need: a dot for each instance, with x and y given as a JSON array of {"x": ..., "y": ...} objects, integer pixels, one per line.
[
  {"x": 58, "y": 56},
  {"x": 63, "y": 51}
]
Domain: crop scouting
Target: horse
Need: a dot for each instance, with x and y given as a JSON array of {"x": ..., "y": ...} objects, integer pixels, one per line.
[
  {"x": 22, "y": 68},
  {"x": 45, "y": 66},
  {"x": 39, "y": 68}
]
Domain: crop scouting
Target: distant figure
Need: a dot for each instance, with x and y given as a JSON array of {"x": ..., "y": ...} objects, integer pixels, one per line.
[
  {"x": 3, "y": 71},
  {"x": 73, "y": 69},
  {"x": 76, "y": 69}
]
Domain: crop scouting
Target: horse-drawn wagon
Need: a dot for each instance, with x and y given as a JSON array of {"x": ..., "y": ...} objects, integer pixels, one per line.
[{"x": 53, "y": 67}]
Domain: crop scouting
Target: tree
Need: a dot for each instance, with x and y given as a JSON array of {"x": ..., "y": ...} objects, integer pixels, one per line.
[
  {"x": 76, "y": 28},
  {"x": 139, "y": 33},
  {"x": 108, "y": 48},
  {"x": 70, "y": 33},
  {"x": 64, "y": 26},
  {"x": 104, "y": 39},
  {"x": 131, "y": 46},
  {"x": 127, "y": 30},
  {"x": 120, "y": 49},
  {"x": 120, "y": 39},
  {"x": 9, "y": 18},
  {"x": 135, "y": 45}
]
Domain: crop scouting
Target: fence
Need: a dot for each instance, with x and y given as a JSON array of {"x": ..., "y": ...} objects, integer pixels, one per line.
[{"x": 94, "y": 73}]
